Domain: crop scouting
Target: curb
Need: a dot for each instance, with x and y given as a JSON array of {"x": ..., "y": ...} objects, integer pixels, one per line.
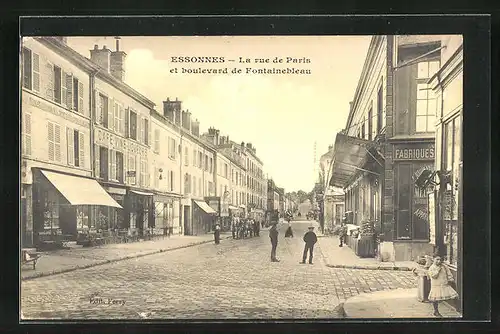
[
  {"x": 404, "y": 268},
  {"x": 101, "y": 262},
  {"x": 339, "y": 310}
]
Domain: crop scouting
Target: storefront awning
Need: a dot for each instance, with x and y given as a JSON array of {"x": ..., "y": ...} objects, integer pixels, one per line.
[
  {"x": 232, "y": 207},
  {"x": 141, "y": 193},
  {"x": 80, "y": 190},
  {"x": 205, "y": 207},
  {"x": 349, "y": 156}
]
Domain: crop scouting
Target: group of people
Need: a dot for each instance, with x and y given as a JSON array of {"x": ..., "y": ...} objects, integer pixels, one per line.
[
  {"x": 242, "y": 228},
  {"x": 310, "y": 239}
]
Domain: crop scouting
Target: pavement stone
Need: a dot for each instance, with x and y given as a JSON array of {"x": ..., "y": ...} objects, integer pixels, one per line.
[
  {"x": 232, "y": 280},
  {"x": 390, "y": 304}
]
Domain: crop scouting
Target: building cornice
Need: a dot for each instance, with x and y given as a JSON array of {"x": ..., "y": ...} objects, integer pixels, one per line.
[{"x": 375, "y": 43}]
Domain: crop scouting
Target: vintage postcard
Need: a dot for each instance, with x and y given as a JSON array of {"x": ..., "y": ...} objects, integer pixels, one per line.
[{"x": 241, "y": 177}]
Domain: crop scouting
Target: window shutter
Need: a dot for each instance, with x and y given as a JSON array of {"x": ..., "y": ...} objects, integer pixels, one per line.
[
  {"x": 149, "y": 132},
  {"x": 49, "y": 74},
  {"x": 51, "y": 141},
  {"x": 57, "y": 141},
  {"x": 69, "y": 90},
  {"x": 64, "y": 89},
  {"x": 127, "y": 117},
  {"x": 110, "y": 114},
  {"x": 116, "y": 116},
  {"x": 81, "y": 145},
  {"x": 71, "y": 149},
  {"x": 36, "y": 72},
  {"x": 81, "y": 106},
  {"x": 97, "y": 159},
  {"x": 140, "y": 124},
  {"x": 122, "y": 120}
]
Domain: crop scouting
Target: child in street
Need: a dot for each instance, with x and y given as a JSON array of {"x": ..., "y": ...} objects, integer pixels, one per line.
[{"x": 441, "y": 278}]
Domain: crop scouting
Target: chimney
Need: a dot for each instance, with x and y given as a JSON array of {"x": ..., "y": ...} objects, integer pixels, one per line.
[
  {"x": 350, "y": 106},
  {"x": 117, "y": 64},
  {"x": 216, "y": 142},
  {"x": 177, "y": 111},
  {"x": 242, "y": 145},
  {"x": 195, "y": 128},
  {"x": 183, "y": 119},
  {"x": 101, "y": 57},
  {"x": 188, "y": 120}
]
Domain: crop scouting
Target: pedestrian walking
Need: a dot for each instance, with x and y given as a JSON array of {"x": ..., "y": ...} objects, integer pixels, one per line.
[
  {"x": 217, "y": 234},
  {"x": 233, "y": 227},
  {"x": 273, "y": 235},
  {"x": 441, "y": 281},
  {"x": 289, "y": 232},
  {"x": 342, "y": 234},
  {"x": 310, "y": 239}
]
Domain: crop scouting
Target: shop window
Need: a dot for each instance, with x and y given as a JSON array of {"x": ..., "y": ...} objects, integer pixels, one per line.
[
  {"x": 132, "y": 167},
  {"x": 50, "y": 211},
  {"x": 82, "y": 217}
]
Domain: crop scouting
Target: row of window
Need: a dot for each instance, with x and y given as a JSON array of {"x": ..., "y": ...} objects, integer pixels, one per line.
[
  {"x": 425, "y": 108},
  {"x": 192, "y": 187},
  {"x": 55, "y": 84},
  {"x": 126, "y": 122}
]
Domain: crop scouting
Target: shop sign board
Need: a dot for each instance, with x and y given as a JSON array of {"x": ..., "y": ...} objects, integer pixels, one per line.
[{"x": 413, "y": 152}]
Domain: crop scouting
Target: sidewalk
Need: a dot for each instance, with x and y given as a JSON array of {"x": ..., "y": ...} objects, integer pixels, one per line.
[
  {"x": 344, "y": 257},
  {"x": 64, "y": 260},
  {"x": 396, "y": 303}
]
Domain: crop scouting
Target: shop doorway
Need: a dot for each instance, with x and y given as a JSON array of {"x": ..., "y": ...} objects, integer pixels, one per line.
[{"x": 187, "y": 228}]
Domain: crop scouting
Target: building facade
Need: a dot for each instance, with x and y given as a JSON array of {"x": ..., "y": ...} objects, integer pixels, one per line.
[
  {"x": 196, "y": 171},
  {"x": 59, "y": 197},
  {"x": 388, "y": 142},
  {"x": 121, "y": 146},
  {"x": 446, "y": 219}
]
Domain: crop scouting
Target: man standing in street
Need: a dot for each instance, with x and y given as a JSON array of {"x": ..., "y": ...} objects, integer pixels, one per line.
[
  {"x": 273, "y": 235},
  {"x": 310, "y": 239}
]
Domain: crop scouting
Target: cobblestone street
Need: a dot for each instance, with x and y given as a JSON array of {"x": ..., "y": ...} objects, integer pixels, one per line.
[{"x": 234, "y": 279}]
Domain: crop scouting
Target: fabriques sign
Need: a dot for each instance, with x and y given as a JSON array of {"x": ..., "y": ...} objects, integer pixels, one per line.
[{"x": 413, "y": 152}]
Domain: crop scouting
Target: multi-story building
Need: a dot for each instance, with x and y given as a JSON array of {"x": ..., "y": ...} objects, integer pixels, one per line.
[
  {"x": 58, "y": 192},
  {"x": 122, "y": 145},
  {"x": 447, "y": 223},
  {"x": 196, "y": 171},
  {"x": 388, "y": 142},
  {"x": 165, "y": 170},
  {"x": 255, "y": 180},
  {"x": 333, "y": 197}
]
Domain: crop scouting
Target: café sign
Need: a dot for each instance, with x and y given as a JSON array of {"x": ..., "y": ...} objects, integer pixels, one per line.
[{"x": 414, "y": 152}]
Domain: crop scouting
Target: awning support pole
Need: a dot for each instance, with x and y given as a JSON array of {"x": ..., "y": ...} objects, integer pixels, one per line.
[{"x": 367, "y": 150}]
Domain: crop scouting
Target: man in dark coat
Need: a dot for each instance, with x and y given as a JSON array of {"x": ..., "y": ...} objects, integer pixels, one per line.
[
  {"x": 310, "y": 239},
  {"x": 273, "y": 235}
]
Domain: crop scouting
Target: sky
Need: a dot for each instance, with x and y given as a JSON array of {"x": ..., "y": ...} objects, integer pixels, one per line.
[{"x": 282, "y": 115}]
